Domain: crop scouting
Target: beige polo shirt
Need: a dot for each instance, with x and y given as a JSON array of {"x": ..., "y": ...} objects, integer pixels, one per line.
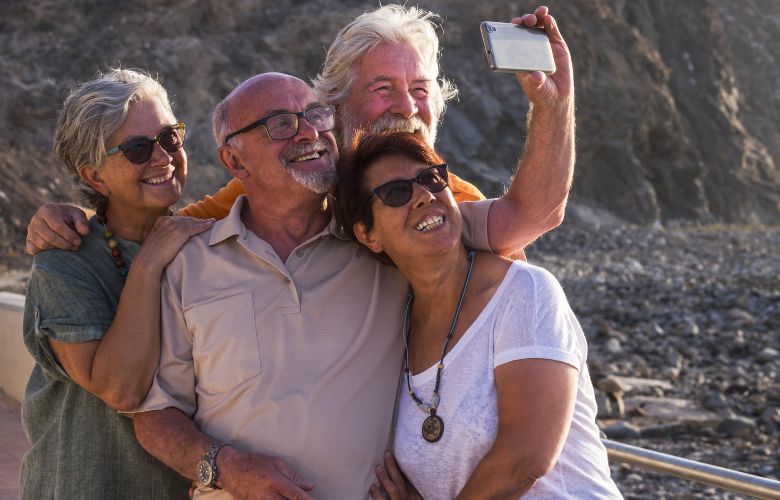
[{"x": 296, "y": 359}]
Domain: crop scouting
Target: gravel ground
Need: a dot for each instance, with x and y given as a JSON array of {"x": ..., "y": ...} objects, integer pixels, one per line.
[{"x": 694, "y": 314}]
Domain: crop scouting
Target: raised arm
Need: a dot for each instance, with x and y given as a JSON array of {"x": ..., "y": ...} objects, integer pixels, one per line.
[
  {"x": 120, "y": 367},
  {"x": 536, "y": 199}
]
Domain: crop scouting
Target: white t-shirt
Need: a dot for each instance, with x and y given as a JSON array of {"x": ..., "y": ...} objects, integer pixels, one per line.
[{"x": 528, "y": 317}]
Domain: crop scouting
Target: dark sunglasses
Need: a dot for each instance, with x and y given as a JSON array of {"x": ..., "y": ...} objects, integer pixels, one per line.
[
  {"x": 399, "y": 192},
  {"x": 139, "y": 149},
  {"x": 281, "y": 126}
]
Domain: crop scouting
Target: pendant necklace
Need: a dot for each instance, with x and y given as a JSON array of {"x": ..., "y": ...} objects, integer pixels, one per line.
[{"x": 433, "y": 425}]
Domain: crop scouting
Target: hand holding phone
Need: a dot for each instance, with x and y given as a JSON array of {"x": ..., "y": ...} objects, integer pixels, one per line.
[{"x": 511, "y": 48}]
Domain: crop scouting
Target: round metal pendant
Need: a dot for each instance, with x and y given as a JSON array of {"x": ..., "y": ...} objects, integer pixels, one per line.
[{"x": 432, "y": 428}]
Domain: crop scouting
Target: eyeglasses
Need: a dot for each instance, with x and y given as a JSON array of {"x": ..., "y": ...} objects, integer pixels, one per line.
[
  {"x": 139, "y": 149},
  {"x": 399, "y": 192},
  {"x": 282, "y": 126}
]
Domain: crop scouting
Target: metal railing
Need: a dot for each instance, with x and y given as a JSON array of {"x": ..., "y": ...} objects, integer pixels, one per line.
[{"x": 727, "y": 479}]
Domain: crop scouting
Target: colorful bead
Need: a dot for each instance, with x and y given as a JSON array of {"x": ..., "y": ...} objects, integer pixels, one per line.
[{"x": 113, "y": 246}]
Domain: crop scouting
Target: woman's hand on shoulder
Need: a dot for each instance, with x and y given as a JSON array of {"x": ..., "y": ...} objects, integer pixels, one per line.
[
  {"x": 392, "y": 482},
  {"x": 167, "y": 237}
]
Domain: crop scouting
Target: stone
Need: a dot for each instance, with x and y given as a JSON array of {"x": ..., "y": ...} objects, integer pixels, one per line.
[
  {"x": 663, "y": 431},
  {"x": 622, "y": 430},
  {"x": 667, "y": 410},
  {"x": 618, "y": 406},
  {"x": 768, "y": 354},
  {"x": 613, "y": 346},
  {"x": 741, "y": 427},
  {"x": 740, "y": 316},
  {"x": 715, "y": 401},
  {"x": 632, "y": 385},
  {"x": 769, "y": 420},
  {"x": 603, "y": 405}
]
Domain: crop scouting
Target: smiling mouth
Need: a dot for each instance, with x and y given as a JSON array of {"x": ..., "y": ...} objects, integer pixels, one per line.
[
  {"x": 430, "y": 223},
  {"x": 310, "y": 156},
  {"x": 159, "y": 180}
]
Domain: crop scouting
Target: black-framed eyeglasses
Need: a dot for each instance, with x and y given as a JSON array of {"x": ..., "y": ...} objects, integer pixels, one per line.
[
  {"x": 282, "y": 126},
  {"x": 399, "y": 192},
  {"x": 139, "y": 149}
]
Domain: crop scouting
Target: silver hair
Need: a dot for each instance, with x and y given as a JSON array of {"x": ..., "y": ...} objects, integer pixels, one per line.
[
  {"x": 220, "y": 121},
  {"x": 393, "y": 24},
  {"x": 91, "y": 113}
]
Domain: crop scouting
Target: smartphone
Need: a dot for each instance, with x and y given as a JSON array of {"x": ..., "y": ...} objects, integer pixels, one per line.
[{"x": 512, "y": 48}]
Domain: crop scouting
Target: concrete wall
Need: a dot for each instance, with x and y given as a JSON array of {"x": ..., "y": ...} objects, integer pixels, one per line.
[{"x": 15, "y": 362}]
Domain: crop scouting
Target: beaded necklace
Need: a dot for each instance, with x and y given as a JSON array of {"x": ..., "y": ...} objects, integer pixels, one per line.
[
  {"x": 113, "y": 245},
  {"x": 433, "y": 425}
]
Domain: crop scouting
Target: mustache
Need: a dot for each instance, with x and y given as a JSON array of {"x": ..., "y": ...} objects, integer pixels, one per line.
[
  {"x": 392, "y": 123},
  {"x": 295, "y": 150}
]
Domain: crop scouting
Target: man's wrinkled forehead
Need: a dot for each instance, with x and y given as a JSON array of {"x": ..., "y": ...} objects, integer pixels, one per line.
[
  {"x": 282, "y": 93},
  {"x": 372, "y": 64}
]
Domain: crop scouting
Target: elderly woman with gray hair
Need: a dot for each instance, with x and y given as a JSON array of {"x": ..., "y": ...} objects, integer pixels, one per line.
[{"x": 92, "y": 316}]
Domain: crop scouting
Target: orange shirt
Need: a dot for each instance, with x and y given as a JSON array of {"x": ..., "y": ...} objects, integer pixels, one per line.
[{"x": 218, "y": 206}]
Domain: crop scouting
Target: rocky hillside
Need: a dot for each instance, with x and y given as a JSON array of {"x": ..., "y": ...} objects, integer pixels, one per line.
[{"x": 677, "y": 101}]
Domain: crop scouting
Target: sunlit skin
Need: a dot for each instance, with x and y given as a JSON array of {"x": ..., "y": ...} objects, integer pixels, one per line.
[
  {"x": 394, "y": 230},
  {"x": 131, "y": 200},
  {"x": 272, "y": 159},
  {"x": 391, "y": 79}
]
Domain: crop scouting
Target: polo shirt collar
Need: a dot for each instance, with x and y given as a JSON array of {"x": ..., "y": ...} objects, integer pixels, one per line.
[{"x": 232, "y": 225}]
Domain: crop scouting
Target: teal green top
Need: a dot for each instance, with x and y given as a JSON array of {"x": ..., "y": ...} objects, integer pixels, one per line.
[{"x": 81, "y": 448}]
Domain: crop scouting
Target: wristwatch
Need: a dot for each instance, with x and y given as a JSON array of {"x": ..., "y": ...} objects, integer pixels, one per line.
[{"x": 206, "y": 474}]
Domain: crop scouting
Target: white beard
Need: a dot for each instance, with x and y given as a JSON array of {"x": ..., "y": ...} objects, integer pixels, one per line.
[
  {"x": 321, "y": 182},
  {"x": 386, "y": 122}
]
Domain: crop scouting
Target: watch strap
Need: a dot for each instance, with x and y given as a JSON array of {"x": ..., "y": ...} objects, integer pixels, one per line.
[{"x": 211, "y": 458}]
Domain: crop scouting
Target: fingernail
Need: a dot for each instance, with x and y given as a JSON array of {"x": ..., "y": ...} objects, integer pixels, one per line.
[{"x": 388, "y": 454}]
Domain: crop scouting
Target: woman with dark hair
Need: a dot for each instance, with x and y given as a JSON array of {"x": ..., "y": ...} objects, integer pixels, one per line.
[
  {"x": 496, "y": 399},
  {"x": 91, "y": 319}
]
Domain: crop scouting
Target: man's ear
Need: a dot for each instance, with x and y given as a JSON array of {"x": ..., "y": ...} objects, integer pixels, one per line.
[
  {"x": 91, "y": 176},
  {"x": 367, "y": 238},
  {"x": 232, "y": 162}
]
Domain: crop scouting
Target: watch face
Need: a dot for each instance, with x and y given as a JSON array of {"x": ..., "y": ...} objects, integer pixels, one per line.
[{"x": 204, "y": 473}]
